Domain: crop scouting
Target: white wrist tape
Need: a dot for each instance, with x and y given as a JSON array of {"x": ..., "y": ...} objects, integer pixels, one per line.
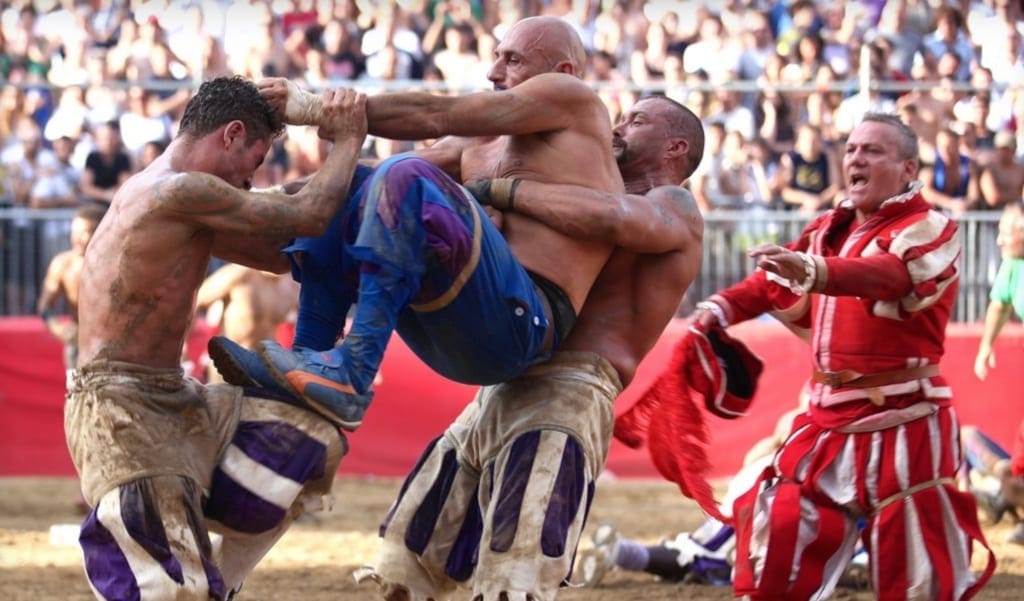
[{"x": 302, "y": 108}]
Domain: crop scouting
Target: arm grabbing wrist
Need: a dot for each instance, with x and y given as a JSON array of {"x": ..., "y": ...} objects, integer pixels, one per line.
[{"x": 499, "y": 193}]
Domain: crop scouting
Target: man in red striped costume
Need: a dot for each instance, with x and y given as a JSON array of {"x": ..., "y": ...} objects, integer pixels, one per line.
[{"x": 871, "y": 283}]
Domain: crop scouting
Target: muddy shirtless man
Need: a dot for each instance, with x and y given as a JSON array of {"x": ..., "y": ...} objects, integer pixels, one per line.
[
  {"x": 164, "y": 460},
  {"x": 519, "y": 465}
]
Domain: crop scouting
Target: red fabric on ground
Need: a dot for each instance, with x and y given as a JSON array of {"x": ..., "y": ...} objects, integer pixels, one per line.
[{"x": 413, "y": 405}]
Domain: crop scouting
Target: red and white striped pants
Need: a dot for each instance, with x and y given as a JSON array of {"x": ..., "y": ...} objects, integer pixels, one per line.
[{"x": 797, "y": 527}]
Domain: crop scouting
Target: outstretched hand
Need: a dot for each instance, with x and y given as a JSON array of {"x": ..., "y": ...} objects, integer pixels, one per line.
[{"x": 779, "y": 260}]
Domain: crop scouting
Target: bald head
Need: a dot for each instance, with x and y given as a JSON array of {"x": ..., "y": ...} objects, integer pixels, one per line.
[{"x": 550, "y": 37}]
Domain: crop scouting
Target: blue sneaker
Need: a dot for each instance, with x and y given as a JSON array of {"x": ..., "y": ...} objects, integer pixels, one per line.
[
  {"x": 242, "y": 367},
  {"x": 320, "y": 380}
]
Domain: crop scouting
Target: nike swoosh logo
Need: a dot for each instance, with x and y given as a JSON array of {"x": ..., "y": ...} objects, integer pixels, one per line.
[{"x": 299, "y": 379}]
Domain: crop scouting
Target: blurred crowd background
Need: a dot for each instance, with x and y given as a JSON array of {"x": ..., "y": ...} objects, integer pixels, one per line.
[{"x": 92, "y": 90}]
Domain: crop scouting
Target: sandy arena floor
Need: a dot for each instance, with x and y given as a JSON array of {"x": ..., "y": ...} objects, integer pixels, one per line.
[{"x": 315, "y": 559}]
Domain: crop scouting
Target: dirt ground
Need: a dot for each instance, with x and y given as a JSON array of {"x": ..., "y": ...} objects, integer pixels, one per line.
[{"x": 315, "y": 559}]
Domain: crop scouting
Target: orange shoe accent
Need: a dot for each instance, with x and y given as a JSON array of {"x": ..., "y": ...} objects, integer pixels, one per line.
[{"x": 299, "y": 379}]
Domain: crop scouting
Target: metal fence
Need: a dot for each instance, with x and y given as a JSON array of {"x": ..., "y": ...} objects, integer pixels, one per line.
[{"x": 30, "y": 238}]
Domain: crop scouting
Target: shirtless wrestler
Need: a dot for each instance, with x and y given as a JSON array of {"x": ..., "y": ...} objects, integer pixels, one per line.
[
  {"x": 518, "y": 467},
  {"x": 164, "y": 461},
  {"x": 63, "y": 276}
]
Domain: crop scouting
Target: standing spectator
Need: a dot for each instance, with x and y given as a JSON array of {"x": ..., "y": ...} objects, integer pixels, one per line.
[
  {"x": 774, "y": 114},
  {"x": 1006, "y": 62},
  {"x": 390, "y": 45},
  {"x": 809, "y": 173},
  {"x": 107, "y": 167},
  {"x": 713, "y": 52},
  {"x": 459, "y": 62},
  {"x": 715, "y": 184},
  {"x": 70, "y": 115},
  {"x": 951, "y": 37},
  {"x": 820, "y": 106},
  {"x": 342, "y": 59},
  {"x": 148, "y": 118},
  {"x": 195, "y": 43},
  {"x": 906, "y": 23},
  {"x": 758, "y": 48},
  {"x": 853, "y": 108},
  {"x": 803, "y": 20},
  {"x": 1002, "y": 179},
  {"x": 604, "y": 76},
  {"x": 951, "y": 180},
  {"x": 731, "y": 111}
]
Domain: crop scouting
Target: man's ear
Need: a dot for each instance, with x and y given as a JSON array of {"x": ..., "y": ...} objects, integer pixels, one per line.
[
  {"x": 232, "y": 131},
  {"x": 566, "y": 67},
  {"x": 677, "y": 147}
]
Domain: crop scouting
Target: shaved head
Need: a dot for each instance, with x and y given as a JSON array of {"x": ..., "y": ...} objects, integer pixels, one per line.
[{"x": 551, "y": 37}]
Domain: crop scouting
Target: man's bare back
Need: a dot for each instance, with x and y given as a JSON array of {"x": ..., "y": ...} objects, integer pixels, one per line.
[{"x": 152, "y": 250}]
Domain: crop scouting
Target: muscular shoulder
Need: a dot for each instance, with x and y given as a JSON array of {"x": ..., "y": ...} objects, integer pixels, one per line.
[
  {"x": 560, "y": 89},
  {"x": 190, "y": 192},
  {"x": 676, "y": 198},
  {"x": 679, "y": 212}
]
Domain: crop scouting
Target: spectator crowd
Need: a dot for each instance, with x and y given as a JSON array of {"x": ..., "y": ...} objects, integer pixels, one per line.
[{"x": 94, "y": 89}]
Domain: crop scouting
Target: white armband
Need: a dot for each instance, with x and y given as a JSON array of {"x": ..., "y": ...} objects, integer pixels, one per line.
[{"x": 716, "y": 311}]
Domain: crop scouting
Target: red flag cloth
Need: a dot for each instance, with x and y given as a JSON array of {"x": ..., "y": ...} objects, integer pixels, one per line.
[{"x": 720, "y": 370}]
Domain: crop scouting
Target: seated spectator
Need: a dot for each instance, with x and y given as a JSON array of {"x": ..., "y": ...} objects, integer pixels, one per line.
[
  {"x": 150, "y": 151},
  {"x": 951, "y": 180},
  {"x": 56, "y": 186},
  {"x": 27, "y": 162},
  {"x": 1002, "y": 179},
  {"x": 976, "y": 107},
  {"x": 107, "y": 167},
  {"x": 809, "y": 173}
]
